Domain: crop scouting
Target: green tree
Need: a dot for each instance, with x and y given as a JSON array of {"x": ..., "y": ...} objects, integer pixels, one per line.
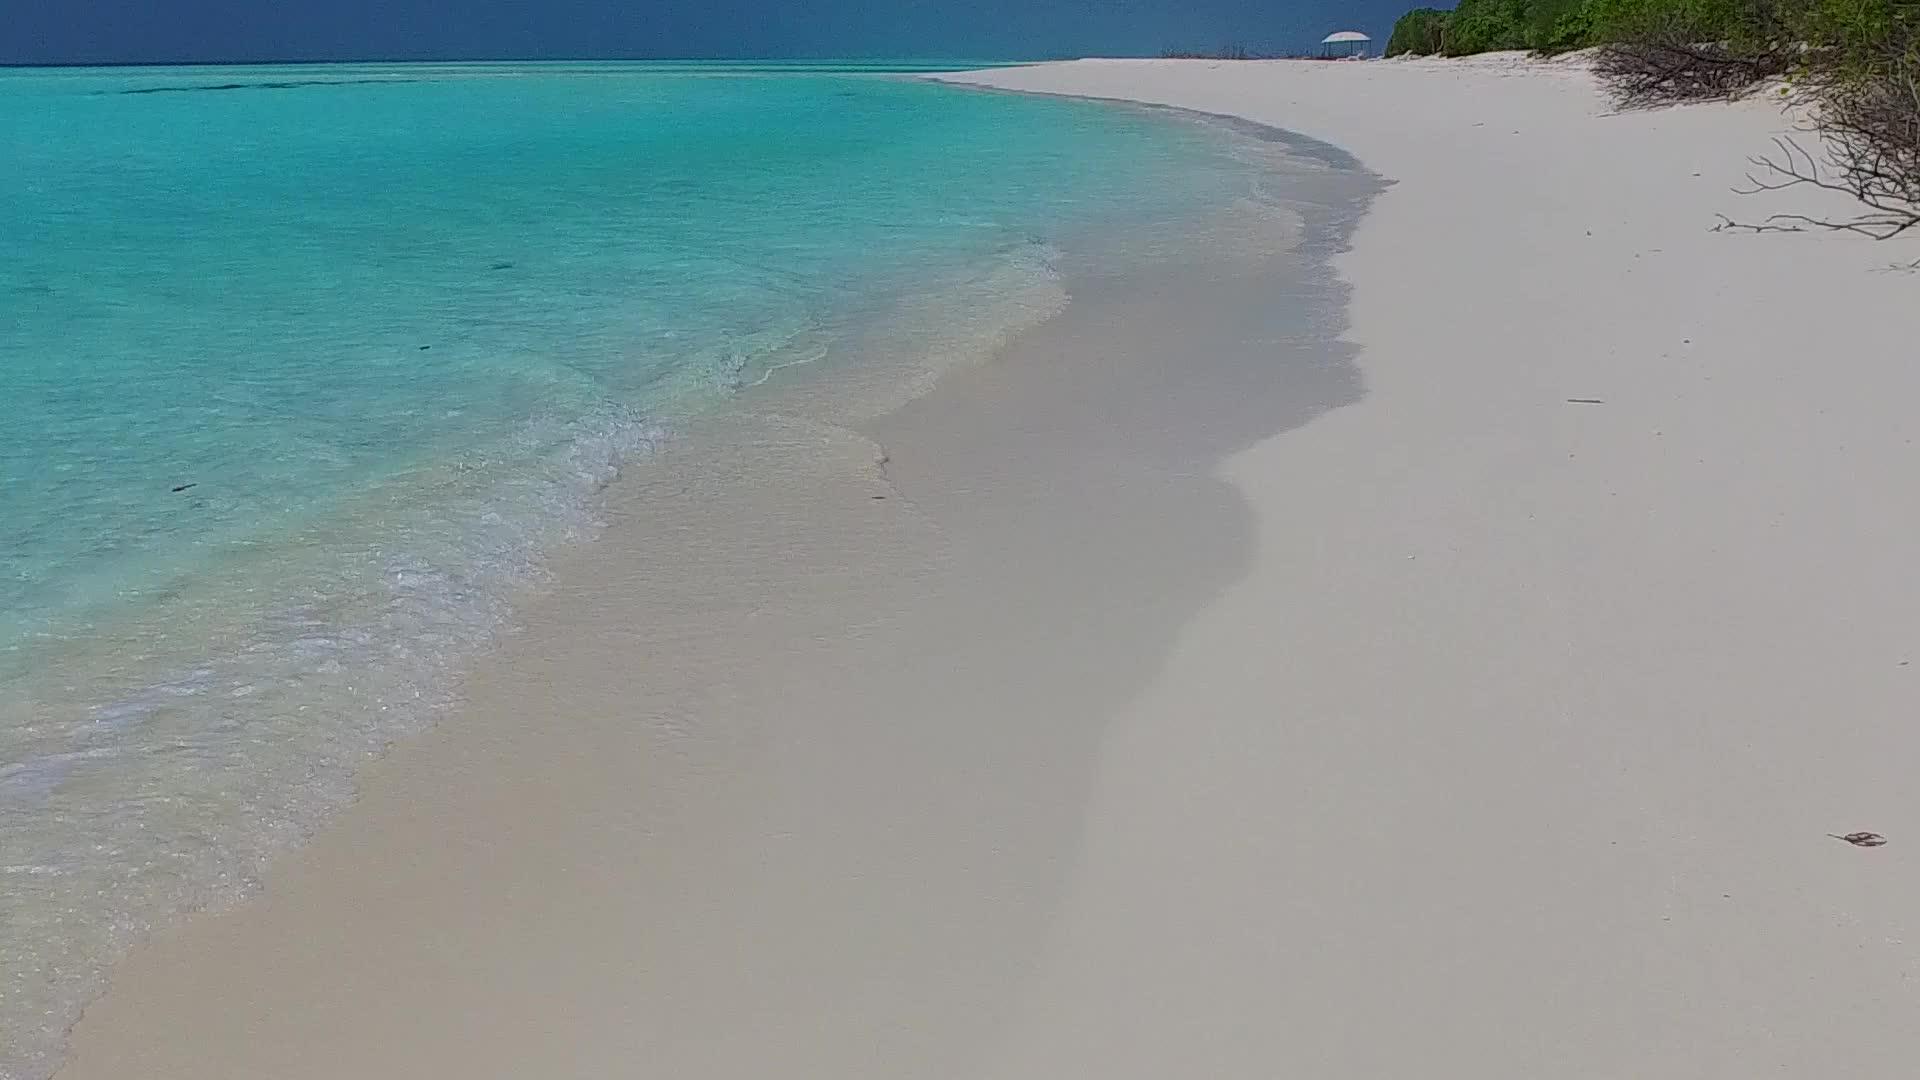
[{"x": 1420, "y": 32}]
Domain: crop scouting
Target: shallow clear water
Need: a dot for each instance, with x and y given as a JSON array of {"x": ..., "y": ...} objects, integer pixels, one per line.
[{"x": 302, "y": 369}]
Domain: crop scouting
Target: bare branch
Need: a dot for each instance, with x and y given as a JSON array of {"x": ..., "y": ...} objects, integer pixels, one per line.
[
  {"x": 1727, "y": 224},
  {"x": 1856, "y": 160},
  {"x": 1864, "y": 97},
  {"x": 1667, "y": 67}
]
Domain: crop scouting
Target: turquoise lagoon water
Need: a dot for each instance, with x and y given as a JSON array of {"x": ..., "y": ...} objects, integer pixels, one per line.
[{"x": 302, "y": 369}]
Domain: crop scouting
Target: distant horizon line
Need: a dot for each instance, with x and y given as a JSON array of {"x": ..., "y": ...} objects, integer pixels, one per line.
[{"x": 546, "y": 60}]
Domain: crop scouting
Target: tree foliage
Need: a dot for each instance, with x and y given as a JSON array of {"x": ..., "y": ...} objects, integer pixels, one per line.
[
  {"x": 1477, "y": 26},
  {"x": 1418, "y": 33}
]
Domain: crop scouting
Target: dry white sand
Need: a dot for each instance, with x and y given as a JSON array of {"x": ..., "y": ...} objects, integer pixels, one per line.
[
  {"x": 1516, "y": 752},
  {"x": 1461, "y": 731}
]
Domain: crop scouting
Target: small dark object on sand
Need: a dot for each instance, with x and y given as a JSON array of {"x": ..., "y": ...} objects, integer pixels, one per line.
[
  {"x": 424, "y": 348},
  {"x": 1861, "y": 839},
  {"x": 1585, "y": 401},
  {"x": 184, "y": 487},
  {"x": 501, "y": 266}
]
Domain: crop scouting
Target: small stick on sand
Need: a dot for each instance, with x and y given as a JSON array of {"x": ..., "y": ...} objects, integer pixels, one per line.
[{"x": 1861, "y": 839}]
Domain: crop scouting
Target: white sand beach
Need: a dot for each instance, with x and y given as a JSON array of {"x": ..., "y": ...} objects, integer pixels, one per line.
[{"x": 1427, "y": 723}]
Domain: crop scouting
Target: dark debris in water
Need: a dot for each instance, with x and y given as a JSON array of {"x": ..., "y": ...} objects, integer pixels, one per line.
[{"x": 288, "y": 85}]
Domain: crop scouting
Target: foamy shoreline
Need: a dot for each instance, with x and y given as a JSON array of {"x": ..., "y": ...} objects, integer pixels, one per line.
[{"x": 1461, "y": 730}]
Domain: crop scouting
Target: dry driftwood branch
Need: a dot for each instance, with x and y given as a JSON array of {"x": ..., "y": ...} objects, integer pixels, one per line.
[
  {"x": 1727, "y": 224},
  {"x": 1667, "y": 68},
  {"x": 1866, "y": 114},
  {"x": 1861, "y": 164}
]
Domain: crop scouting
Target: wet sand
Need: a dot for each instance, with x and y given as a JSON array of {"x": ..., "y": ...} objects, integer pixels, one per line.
[{"x": 787, "y": 774}]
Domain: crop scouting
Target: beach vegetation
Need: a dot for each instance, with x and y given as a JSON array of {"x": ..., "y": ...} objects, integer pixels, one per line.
[
  {"x": 1860, "y": 84},
  {"x": 1478, "y": 26},
  {"x": 1420, "y": 32},
  {"x": 1853, "y": 66},
  {"x": 1561, "y": 27}
]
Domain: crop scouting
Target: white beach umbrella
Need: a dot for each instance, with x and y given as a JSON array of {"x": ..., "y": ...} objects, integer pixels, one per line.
[{"x": 1349, "y": 42}]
